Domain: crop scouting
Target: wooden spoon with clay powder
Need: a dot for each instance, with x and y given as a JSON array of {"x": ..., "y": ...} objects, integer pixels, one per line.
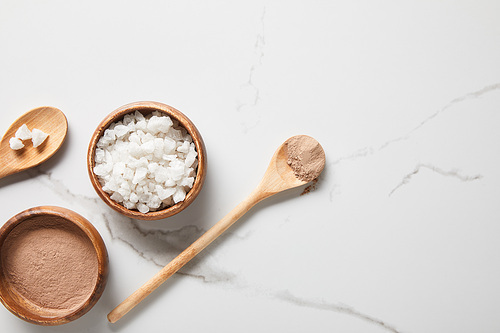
[
  {"x": 47, "y": 119},
  {"x": 297, "y": 161}
]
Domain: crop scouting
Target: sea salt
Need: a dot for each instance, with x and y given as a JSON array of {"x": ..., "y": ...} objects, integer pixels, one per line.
[
  {"x": 23, "y": 133},
  {"x": 38, "y": 137},
  {"x": 146, "y": 162},
  {"x": 16, "y": 143}
]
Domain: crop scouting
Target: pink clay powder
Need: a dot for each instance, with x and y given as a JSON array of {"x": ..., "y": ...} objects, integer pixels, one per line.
[{"x": 51, "y": 263}]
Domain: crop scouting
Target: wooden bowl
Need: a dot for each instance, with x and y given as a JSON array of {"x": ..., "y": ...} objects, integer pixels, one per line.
[
  {"x": 146, "y": 108},
  {"x": 65, "y": 220}
]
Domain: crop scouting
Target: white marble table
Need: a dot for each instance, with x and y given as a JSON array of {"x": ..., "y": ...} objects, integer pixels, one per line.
[{"x": 401, "y": 234}]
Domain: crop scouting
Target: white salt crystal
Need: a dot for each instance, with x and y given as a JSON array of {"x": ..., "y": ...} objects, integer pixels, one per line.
[
  {"x": 140, "y": 174},
  {"x": 139, "y": 116},
  {"x": 169, "y": 146},
  {"x": 190, "y": 157},
  {"x": 147, "y": 137},
  {"x": 188, "y": 181},
  {"x": 154, "y": 202},
  {"x": 161, "y": 174},
  {"x": 143, "y": 162},
  {"x": 116, "y": 196},
  {"x": 38, "y": 137},
  {"x": 99, "y": 155},
  {"x": 159, "y": 124},
  {"x": 148, "y": 147},
  {"x": 128, "y": 174},
  {"x": 133, "y": 197},
  {"x": 184, "y": 148},
  {"x": 23, "y": 133},
  {"x": 164, "y": 193},
  {"x": 145, "y": 196},
  {"x": 113, "y": 185},
  {"x": 142, "y": 208},
  {"x": 141, "y": 125},
  {"x": 125, "y": 186},
  {"x": 119, "y": 168},
  {"x": 169, "y": 182},
  {"x": 154, "y": 125},
  {"x": 128, "y": 119},
  {"x": 179, "y": 195},
  {"x": 121, "y": 130},
  {"x": 176, "y": 169},
  {"x": 152, "y": 167},
  {"x": 158, "y": 151},
  {"x": 134, "y": 149},
  {"x": 99, "y": 169},
  {"x": 15, "y": 143},
  {"x": 175, "y": 134},
  {"x": 134, "y": 137},
  {"x": 129, "y": 205},
  {"x": 109, "y": 135}
]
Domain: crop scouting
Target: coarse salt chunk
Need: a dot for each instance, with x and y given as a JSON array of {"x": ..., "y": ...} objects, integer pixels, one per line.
[
  {"x": 121, "y": 130},
  {"x": 16, "y": 143},
  {"x": 179, "y": 195},
  {"x": 159, "y": 124},
  {"x": 23, "y": 133},
  {"x": 38, "y": 137},
  {"x": 143, "y": 208},
  {"x": 164, "y": 193}
]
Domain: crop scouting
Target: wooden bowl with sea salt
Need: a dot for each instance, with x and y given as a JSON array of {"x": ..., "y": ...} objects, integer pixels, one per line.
[
  {"x": 54, "y": 265},
  {"x": 147, "y": 161}
]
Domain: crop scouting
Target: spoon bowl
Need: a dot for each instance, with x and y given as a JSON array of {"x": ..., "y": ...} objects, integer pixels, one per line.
[
  {"x": 47, "y": 119},
  {"x": 280, "y": 176}
]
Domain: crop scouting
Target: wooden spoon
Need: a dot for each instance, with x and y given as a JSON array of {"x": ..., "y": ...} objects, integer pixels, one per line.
[
  {"x": 279, "y": 177},
  {"x": 47, "y": 119}
]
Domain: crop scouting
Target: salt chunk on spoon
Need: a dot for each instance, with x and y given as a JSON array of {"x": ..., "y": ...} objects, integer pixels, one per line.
[
  {"x": 23, "y": 133},
  {"x": 38, "y": 137},
  {"x": 47, "y": 119},
  {"x": 16, "y": 143}
]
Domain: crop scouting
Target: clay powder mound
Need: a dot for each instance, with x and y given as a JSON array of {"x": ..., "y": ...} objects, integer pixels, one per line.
[
  {"x": 51, "y": 263},
  {"x": 306, "y": 157}
]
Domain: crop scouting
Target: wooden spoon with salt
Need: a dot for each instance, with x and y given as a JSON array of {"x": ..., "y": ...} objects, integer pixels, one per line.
[
  {"x": 297, "y": 161},
  {"x": 47, "y": 119}
]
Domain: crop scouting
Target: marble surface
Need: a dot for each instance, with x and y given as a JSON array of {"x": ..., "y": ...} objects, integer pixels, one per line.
[{"x": 401, "y": 232}]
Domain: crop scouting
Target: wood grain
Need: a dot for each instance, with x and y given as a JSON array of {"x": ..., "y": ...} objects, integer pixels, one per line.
[
  {"x": 47, "y": 119},
  {"x": 146, "y": 108},
  {"x": 21, "y": 307}
]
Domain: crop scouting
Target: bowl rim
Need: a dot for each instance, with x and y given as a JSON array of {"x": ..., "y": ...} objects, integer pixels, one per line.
[
  {"x": 102, "y": 261},
  {"x": 147, "y": 107}
]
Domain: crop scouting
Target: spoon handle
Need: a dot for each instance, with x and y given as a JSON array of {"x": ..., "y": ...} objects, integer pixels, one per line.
[{"x": 185, "y": 256}]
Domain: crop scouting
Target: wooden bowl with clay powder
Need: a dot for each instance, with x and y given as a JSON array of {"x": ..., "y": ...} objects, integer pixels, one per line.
[
  {"x": 146, "y": 109},
  {"x": 54, "y": 265}
]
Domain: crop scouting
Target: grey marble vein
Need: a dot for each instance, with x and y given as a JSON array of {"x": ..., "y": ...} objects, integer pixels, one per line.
[
  {"x": 253, "y": 90},
  {"x": 447, "y": 173},
  {"x": 468, "y": 96},
  {"x": 369, "y": 150},
  {"x": 363, "y": 152},
  {"x": 286, "y": 296}
]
